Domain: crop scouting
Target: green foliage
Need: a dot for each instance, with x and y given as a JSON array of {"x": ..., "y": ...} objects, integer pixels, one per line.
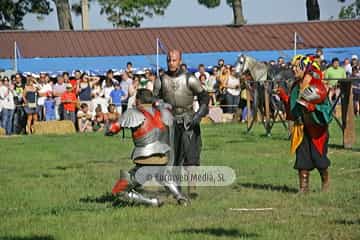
[
  {"x": 129, "y": 13},
  {"x": 351, "y": 11},
  {"x": 210, "y": 3},
  {"x": 214, "y": 3},
  {"x": 235, "y": 5},
  {"x": 76, "y": 7},
  {"x": 12, "y": 12}
]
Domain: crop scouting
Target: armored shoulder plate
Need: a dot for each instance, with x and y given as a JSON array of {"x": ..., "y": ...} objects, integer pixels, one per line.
[
  {"x": 194, "y": 84},
  {"x": 131, "y": 118},
  {"x": 165, "y": 110}
]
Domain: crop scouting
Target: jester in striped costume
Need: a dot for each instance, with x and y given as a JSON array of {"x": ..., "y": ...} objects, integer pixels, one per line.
[{"x": 308, "y": 106}]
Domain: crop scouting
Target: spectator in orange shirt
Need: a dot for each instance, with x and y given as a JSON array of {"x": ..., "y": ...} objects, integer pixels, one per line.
[
  {"x": 74, "y": 82},
  {"x": 69, "y": 101}
]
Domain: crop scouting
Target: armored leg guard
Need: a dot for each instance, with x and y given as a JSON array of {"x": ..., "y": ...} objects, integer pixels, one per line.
[
  {"x": 304, "y": 181},
  {"x": 137, "y": 198},
  {"x": 174, "y": 190},
  {"x": 325, "y": 180},
  {"x": 125, "y": 183},
  {"x": 124, "y": 187}
]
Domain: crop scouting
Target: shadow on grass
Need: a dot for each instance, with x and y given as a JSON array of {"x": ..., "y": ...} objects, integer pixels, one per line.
[
  {"x": 47, "y": 237},
  {"x": 45, "y": 175},
  {"x": 106, "y": 162},
  {"x": 64, "y": 168},
  {"x": 347, "y": 222},
  {"x": 219, "y": 232},
  {"x": 275, "y": 137},
  {"x": 269, "y": 187},
  {"x": 341, "y": 147},
  {"x": 105, "y": 198},
  {"x": 240, "y": 141}
]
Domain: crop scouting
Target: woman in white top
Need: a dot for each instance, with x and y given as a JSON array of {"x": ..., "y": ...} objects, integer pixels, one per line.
[
  {"x": 232, "y": 96},
  {"x": 8, "y": 106},
  {"x": 107, "y": 89},
  {"x": 132, "y": 92}
]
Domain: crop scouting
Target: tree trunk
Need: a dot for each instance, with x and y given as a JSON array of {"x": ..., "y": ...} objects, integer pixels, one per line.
[
  {"x": 85, "y": 14},
  {"x": 64, "y": 15},
  {"x": 238, "y": 12},
  {"x": 312, "y": 10}
]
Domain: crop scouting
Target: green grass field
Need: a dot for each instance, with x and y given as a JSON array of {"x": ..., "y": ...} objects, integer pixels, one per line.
[{"x": 57, "y": 187}]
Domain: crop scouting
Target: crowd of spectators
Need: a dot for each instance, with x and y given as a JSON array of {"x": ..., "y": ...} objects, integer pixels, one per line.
[{"x": 93, "y": 102}]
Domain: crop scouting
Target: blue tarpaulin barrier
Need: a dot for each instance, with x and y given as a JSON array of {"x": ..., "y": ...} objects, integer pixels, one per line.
[{"x": 99, "y": 65}]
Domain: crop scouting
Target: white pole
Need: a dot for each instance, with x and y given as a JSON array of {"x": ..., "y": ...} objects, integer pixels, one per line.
[
  {"x": 157, "y": 56},
  {"x": 15, "y": 58},
  {"x": 295, "y": 43}
]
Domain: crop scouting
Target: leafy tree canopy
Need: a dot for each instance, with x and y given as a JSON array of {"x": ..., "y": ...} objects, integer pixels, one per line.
[
  {"x": 351, "y": 11},
  {"x": 130, "y": 13},
  {"x": 12, "y": 12}
]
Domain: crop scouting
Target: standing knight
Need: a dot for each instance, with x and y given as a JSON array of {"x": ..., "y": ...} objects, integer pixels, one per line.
[{"x": 178, "y": 89}]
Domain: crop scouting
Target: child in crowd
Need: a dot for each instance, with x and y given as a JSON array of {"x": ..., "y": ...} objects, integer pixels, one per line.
[
  {"x": 112, "y": 119},
  {"x": 84, "y": 118},
  {"x": 99, "y": 119}
]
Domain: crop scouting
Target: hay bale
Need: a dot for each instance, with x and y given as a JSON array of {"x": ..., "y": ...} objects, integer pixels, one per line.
[
  {"x": 54, "y": 127},
  {"x": 227, "y": 117},
  {"x": 206, "y": 120},
  {"x": 2, "y": 132}
]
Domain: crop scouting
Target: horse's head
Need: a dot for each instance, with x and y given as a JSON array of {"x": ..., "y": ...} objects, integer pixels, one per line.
[{"x": 240, "y": 64}]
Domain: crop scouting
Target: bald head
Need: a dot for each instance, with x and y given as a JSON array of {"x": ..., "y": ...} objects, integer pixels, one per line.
[{"x": 174, "y": 60}]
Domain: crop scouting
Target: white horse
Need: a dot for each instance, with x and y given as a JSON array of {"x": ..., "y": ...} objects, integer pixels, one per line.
[
  {"x": 262, "y": 75},
  {"x": 261, "y": 72},
  {"x": 258, "y": 70}
]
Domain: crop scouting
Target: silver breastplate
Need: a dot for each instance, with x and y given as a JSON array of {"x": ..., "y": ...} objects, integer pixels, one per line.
[{"x": 176, "y": 92}]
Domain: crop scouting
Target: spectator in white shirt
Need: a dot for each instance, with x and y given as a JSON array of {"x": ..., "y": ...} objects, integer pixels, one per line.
[
  {"x": 202, "y": 70},
  {"x": 232, "y": 97},
  {"x": 8, "y": 105},
  {"x": 347, "y": 67},
  {"x": 107, "y": 89},
  {"x": 2, "y": 92},
  {"x": 97, "y": 100},
  {"x": 109, "y": 76},
  {"x": 58, "y": 89},
  {"x": 43, "y": 88}
]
